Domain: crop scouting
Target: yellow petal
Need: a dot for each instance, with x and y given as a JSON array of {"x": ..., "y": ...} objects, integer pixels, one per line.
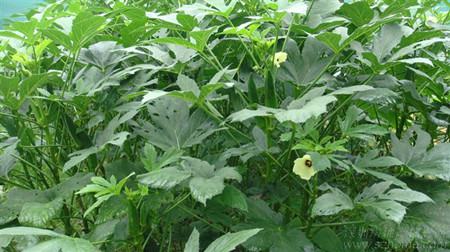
[
  {"x": 279, "y": 58},
  {"x": 303, "y": 167}
]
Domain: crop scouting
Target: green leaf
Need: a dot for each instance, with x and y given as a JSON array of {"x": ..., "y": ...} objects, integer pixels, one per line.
[
  {"x": 332, "y": 203},
  {"x": 201, "y": 38},
  {"x": 372, "y": 192},
  {"x": 228, "y": 173},
  {"x": 377, "y": 96},
  {"x": 102, "y": 231},
  {"x": 351, "y": 90},
  {"x": 331, "y": 39},
  {"x": 188, "y": 22},
  {"x": 232, "y": 197},
  {"x": 313, "y": 108},
  {"x": 222, "y": 6},
  {"x": 198, "y": 167},
  {"x": 230, "y": 241},
  {"x": 84, "y": 27},
  {"x": 165, "y": 178},
  {"x": 258, "y": 210},
  {"x": 321, "y": 162},
  {"x": 246, "y": 114},
  {"x": 121, "y": 168},
  {"x": 387, "y": 177},
  {"x": 64, "y": 244},
  {"x": 275, "y": 236},
  {"x": 388, "y": 209},
  {"x": 16, "y": 198},
  {"x": 434, "y": 162},
  {"x": 358, "y": 12},
  {"x": 187, "y": 84},
  {"x": 424, "y": 224},
  {"x": 58, "y": 37},
  {"x": 16, "y": 231},
  {"x": 29, "y": 85},
  {"x": 193, "y": 244},
  {"x": 362, "y": 131},
  {"x": 172, "y": 126},
  {"x": 154, "y": 162},
  {"x": 327, "y": 240},
  {"x": 384, "y": 204},
  {"x": 406, "y": 195},
  {"x": 78, "y": 157},
  {"x": 287, "y": 238},
  {"x": 39, "y": 214},
  {"x": 320, "y": 10},
  {"x": 203, "y": 189},
  {"x": 298, "y": 7},
  {"x": 67, "y": 187},
  {"x": 416, "y": 46},
  {"x": 176, "y": 41},
  {"x": 7, "y": 159},
  {"x": 389, "y": 37},
  {"x": 306, "y": 67},
  {"x": 371, "y": 161},
  {"x": 8, "y": 89},
  {"x": 152, "y": 95},
  {"x": 102, "y": 54}
]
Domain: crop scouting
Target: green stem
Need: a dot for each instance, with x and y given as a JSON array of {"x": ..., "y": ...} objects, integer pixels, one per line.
[
  {"x": 202, "y": 219},
  {"x": 335, "y": 224},
  {"x": 177, "y": 203},
  {"x": 68, "y": 229}
]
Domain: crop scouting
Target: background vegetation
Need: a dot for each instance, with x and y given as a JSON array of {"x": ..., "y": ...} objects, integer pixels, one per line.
[{"x": 175, "y": 126}]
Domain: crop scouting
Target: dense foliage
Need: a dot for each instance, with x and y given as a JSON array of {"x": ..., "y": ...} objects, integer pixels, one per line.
[{"x": 216, "y": 125}]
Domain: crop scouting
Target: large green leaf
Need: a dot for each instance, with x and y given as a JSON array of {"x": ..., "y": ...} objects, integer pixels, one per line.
[
  {"x": 102, "y": 54},
  {"x": 29, "y": 231},
  {"x": 246, "y": 114},
  {"x": 165, "y": 178},
  {"x": 386, "y": 204},
  {"x": 104, "y": 137},
  {"x": 327, "y": 240},
  {"x": 306, "y": 67},
  {"x": 203, "y": 189},
  {"x": 406, "y": 195},
  {"x": 434, "y": 162},
  {"x": 389, "y": 36},
  {"x": 358, "y": 12},
  {"x": 17, "y": 198},
  {"x": 59, "y": 242},
  {"x": 65, "y": 245},
  {"x": 172, "y": 126},
  {"x": 58, "y": 37},
  {"x": 320, "y": 10},
  {"x": 388, "y": 209},
  {"x": 85, "y": 26},
  {"x": 204, "y": 180},
  {"x": 232, "y": 197},
  {"x": 425, "y": 224},
  {"x": 229, "y": 241},
  {"x": 29, "y": 85},
  {"x": 275, "y": 236},
  {"x": 313, "y": 108},
  {"x": 38, "y": 214},
  {"x": 79, "y": 156},
  {"x": 193, "y": 244},
  {"x": 7, "y": 159},
  {"x": 416, "y": 46},
  {"x": 332, "y": 203}
]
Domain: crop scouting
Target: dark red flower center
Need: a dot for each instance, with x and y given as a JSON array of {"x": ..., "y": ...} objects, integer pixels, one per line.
[{"x": 308, "y": 163}]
